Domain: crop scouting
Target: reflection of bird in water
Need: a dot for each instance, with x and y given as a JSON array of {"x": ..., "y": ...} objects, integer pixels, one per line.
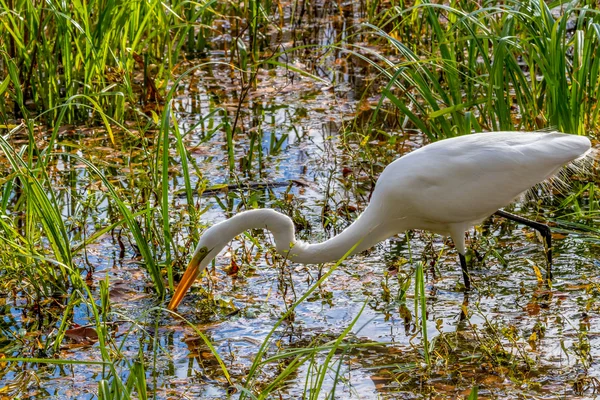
[{"x": 445, "y": 187}]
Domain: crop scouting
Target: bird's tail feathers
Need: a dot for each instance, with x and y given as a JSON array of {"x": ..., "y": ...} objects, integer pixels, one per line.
[{"x": 561, "y": 182}]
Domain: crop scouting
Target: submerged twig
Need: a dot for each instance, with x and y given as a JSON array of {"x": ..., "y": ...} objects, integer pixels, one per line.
[{"x": 247, "y": 186}]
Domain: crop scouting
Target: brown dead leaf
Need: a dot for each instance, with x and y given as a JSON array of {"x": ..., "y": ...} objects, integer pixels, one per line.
[
  {"x": 444, "y": 387},
  {"x": 118, "y": 293},
  {"x": 233, "y": 268},
  {"x": 577, "y": 287},
  {"x": 207, "y": 355},
  {"x": 82, "y": 334},
  {"x": 532, "y": 308},
  {"x": 348, "y": 208},
  {"x": 201, "y": 150},
  {"x": 492, "y": 380},
  {"x": 380, "y": 381}
]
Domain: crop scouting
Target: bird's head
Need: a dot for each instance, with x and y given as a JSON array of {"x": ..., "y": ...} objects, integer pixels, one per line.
[{"x": 208, "y": 247}]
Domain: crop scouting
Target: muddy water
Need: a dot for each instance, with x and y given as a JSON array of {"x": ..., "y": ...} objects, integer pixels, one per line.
[{"x": 511, "y": 336}]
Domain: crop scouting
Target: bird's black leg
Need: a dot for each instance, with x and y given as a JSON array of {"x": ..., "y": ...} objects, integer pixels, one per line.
[
  {"x": 543, "y": 229},
  {"x": 465, "y": 271}
]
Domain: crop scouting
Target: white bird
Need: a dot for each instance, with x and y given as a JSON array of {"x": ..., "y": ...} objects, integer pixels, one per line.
[{"x": 446, "y": 187}]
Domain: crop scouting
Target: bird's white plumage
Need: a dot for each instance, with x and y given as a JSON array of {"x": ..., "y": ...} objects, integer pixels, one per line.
[
  {"x": 445, "y": 187},
  {"x": 453, "y": 184}
]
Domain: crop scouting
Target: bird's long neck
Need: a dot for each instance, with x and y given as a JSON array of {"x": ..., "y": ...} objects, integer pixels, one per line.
[{"x": 364, "y": 233}]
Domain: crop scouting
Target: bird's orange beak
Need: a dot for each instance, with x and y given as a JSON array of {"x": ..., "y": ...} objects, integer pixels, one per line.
[{"x": 190, "y": 275}]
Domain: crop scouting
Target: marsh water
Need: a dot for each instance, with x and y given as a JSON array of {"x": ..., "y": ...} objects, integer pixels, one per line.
[{"x": 512, "y": 336}]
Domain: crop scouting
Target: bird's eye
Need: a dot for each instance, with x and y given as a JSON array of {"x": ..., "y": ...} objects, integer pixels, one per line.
[{"x": 204, "y": 250}]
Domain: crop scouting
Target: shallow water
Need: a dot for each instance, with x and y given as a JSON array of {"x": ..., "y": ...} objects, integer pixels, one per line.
[
  {"x": 517, "y": 339},
  {"x": 507, "y": 305}
]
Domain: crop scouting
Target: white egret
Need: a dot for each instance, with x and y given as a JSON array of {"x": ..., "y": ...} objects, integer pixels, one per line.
[{"x": 446, "y": 187}]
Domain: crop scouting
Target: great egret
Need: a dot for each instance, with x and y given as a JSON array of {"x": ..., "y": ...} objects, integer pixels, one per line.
[{"x": 445, "y": 187}]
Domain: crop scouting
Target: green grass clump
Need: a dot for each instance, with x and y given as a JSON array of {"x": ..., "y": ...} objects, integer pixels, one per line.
[
  {"x": 516, "y": 65},
  {"x": 58, "y": 50}
]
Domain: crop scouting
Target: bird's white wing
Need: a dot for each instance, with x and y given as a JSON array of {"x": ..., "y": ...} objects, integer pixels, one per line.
[{"x": 468, "y": 178}]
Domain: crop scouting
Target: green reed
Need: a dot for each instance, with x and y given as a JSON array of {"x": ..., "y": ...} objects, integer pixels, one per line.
[
  {"x": 63, "y": 49},
  {"x": 421, "y": 308},
  {"x": 509, "y": 66},
  {"x": 41, "y": 207}
]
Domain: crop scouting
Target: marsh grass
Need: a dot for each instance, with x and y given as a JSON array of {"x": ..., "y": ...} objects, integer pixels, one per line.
[
  {"x": 62, "y": 49},
  {"x": 461, "y": 68},
  {"x": 41, "y": 208},
  {"x": 421, "y": 309}
]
